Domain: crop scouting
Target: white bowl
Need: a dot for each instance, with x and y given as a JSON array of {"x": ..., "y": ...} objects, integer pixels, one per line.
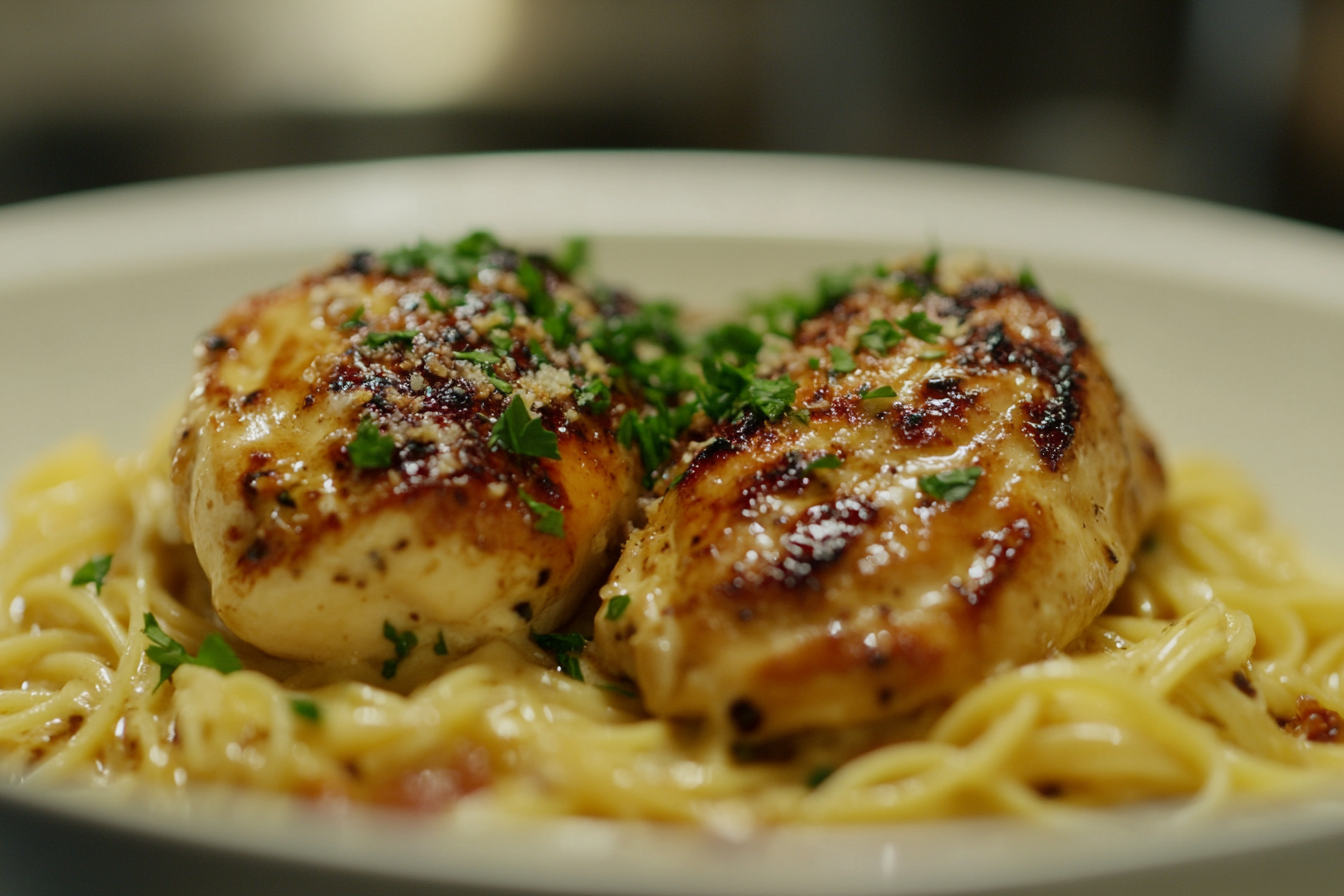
[{"x": 1225, "y": 327}]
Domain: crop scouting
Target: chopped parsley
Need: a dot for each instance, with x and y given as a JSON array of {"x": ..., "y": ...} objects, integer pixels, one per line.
[
  {"x": 879, "y": 392},
  {"x": 402, "y": 644},
  {"x": 841, "y": 360},
  {"x": 881, "y": 337},
  {"x": 814, "y": 363},
  {"x": 566, "y": 648},
  {"x": 617, "y": 689},
  {"x": 654, "y": 434},
  {"x": 594, "y": 396},
  {"x": 825, "y": 462},
  {"x": 93, "y": 572},
  {"x": 616, "y": 606},
  {"x": 918, "y": 325},
  {"x": 549, "y": 520},
  {"x": 435, "y": 305},
  {"x": 930, "y": 266},
  {"x": 485, "y": 358},
  {"x": 377, "y": 340},
  {"x": 441, "y": 646},
  {"x": 560, "y": 326},
  {"x": 950, "y": 485},
  {"x": 539, "y": 301},
  {"x": 453, "y": 264},
  {"x": 215, "y": 653},
  {"x": 933, "y": 354},
  {"x": 519, "y": 433},
  {"x": 728, "y": 391},
  {"x": 306, "y": 709},
  {"x": 502, "y": 340},
  {"x": 355, "y": 320},
  {"x": 370, "y": 449},
  {"x": 818, "y": 775},
  {"x": 1027, "y": 280},
  {"x": 573, "y": 256},
  {"x": 737, "y": 339}
]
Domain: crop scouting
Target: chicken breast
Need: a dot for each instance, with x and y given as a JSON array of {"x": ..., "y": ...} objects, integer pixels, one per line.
[
  {"x": 966, "y": 496},
  {"x": 423, "y": 441}
]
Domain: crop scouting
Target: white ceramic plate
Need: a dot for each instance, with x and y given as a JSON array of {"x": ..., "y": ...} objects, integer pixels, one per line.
[{"x": 1224, "y": 327}]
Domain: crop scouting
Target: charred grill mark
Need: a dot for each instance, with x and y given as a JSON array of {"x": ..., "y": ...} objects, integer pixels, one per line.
[
  {"x": 819, "y": 538},
  {"x": 921, "y": 424},
  {"x": 999, "y": 552},
  {"x": 1051, "y": 422}
]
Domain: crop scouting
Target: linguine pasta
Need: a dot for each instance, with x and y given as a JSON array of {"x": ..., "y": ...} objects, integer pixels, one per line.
[{"x": 1215, "y": 672}]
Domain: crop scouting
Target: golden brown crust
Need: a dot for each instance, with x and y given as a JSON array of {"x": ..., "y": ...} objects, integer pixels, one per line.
[
  {"x": 769, "y": 595},
  {"x": 270, "y": 481}
]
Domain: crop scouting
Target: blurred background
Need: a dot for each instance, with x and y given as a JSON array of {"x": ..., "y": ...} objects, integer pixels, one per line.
[{"x": 1240, "y": 101}]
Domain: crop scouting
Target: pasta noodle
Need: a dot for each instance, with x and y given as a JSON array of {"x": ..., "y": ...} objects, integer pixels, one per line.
[{"x": 1215, "y": 672}]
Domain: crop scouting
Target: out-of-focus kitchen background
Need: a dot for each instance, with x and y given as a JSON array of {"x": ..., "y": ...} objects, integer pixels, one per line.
[{"x": 1240, "y": 101}]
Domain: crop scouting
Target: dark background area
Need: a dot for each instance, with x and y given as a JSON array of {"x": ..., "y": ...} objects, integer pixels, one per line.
[{"x": 1240, "y": 101}]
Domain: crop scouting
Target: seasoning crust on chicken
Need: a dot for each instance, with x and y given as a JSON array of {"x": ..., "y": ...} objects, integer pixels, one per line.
[
  {"x": 424, "y": 440},
  {"x": 966, "y": 495}
]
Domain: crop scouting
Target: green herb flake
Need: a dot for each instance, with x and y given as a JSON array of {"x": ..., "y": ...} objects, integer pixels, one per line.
[
  {"x": 441, "y": 646},
  {"x": 502, "y": 340},
  {"x": 402, "y": 337},
  {"x": 594, "y": 396},
  {"x": 814, "y": 363},
  {"x": 560, "y": 326},
  {"x": 306, "y": 709},
  {"x": 566, "y": 648},
  {"x": 933, "y": 354},
  {"x": 819, "y": 775},
  {"x": 881, "y": 337},
  {"x": 519, "y": 433},
  {"x": 616, "y": 607},
  {"x": 169, "y": 654},
  {"x": 1027, "y": 280},
  {"x": 841, "y": 360},
  {"x": 825, "y": 462},
  {"x": 738, "y": 339},
  {"x": 950, "y": 485},
  {"x": 617, "y": 689},
  {"x": 917, "y": 324},
  {"x": 879, "y": 392},
  {"x": 549, "y": 520},
  {"x": 484, "y": 358},
  {"x": 355, "y": 320},
  {"x": 573, "y": 256},
  {"x": 370, "y": 449},
  {"x": 432, "y": 302},
  {"x": 390, "y": 668},
  {"x": 930, "y": 266},
  {"x": 94, "y": 572},
  {"x": 402, "y": 642},
  {"x": 539, "y": 301}
]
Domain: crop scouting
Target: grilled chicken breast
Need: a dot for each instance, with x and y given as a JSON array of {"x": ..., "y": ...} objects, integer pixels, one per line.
[
  {"x": 956, "y": 504},
  {"x": 401, "y": 441}
]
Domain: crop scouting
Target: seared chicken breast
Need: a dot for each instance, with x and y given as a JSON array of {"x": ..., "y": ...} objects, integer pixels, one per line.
[
  {"x": 956, "y": 488},
  {"x": 421, "y": 441}
]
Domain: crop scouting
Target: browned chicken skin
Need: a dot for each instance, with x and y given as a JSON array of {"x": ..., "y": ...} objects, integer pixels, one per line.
[
  {"x": 769, "y": 593},
  {"x": 339, "y": 467}
]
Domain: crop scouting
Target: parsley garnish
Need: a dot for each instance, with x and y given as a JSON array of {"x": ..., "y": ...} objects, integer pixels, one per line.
[
  {"x": 825, "y": 462},
  {"x": 402, "y": 643},
  {"x": 930, "y": 265},
  {"x": 355, "y": 320},
  {"x": 215, "y": 653},
  {"x": 433, "y": 302},
  {"x": 1027, "y": 280},
  {"x": 818, "y": 775},
  {"x": 917, "y": 323},
  {"x": 566, "y": 648},
  {"x": 376, "y": 340},
  {"x": 595, "y": 396},
  {"x": 549, "y": 520},
  {"x": 728, "y": 390},
  {"x": 879, "y": 392},
  {"x": 841, "y": 360},
  {"x": 950, "y": 485},
  {"x": 616, "y": 606},
  {"x": 522, "y": 434},
  {"x": 933, "y": 354},
  {"x": 441, "y": 646},
  {"x": 881, "y": 337},
  {"x": 502, "y": 340},
  {"x": 452, "y": 264},
  {"x": 560, "y": 326},
  {"x": 539, "y": 301},
  {"x": 370, "y": 449},
  {"x": 93, "y": 572},
  {"x": 814, "y": 363},
  {"x": 739, "y": 339},
  {"x": 306, "y": 709},
  {"x": 484, "y": 358},
  {"x": 617, "y": 689},
  {"x": 573, "y": 257}
]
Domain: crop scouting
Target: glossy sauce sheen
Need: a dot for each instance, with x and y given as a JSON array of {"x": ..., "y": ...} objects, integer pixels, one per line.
[
  {"x": 768, "y": 598},
  {"x": 308, "y": 554}
]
